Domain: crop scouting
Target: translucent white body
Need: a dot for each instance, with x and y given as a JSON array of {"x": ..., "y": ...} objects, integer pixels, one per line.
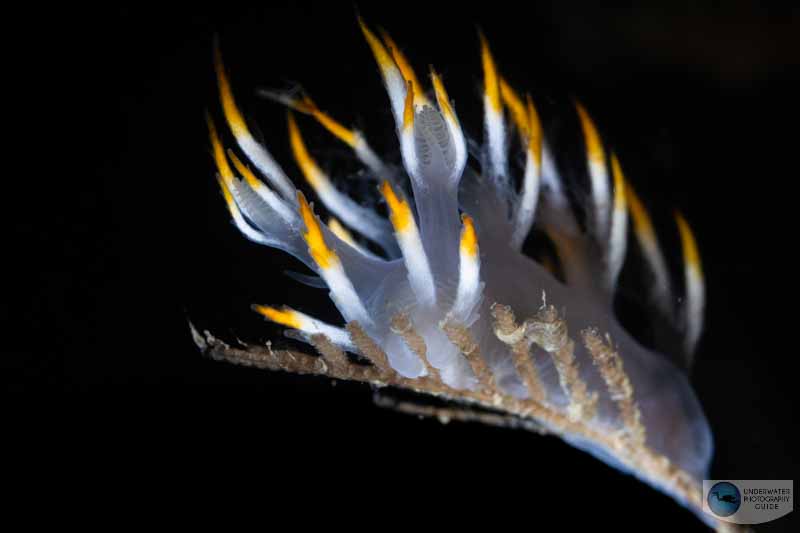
[{"x": 438, "y": 260}]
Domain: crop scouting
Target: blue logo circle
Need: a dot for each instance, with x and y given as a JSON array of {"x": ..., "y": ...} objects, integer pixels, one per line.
[{"x": 724, "y": 498}]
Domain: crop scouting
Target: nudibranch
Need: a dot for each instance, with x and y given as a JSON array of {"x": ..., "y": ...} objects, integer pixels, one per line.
[{"x": 439, "y": 298}]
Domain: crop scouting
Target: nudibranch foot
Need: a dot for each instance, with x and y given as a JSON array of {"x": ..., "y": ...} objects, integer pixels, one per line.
[{"x": 620, "y": 440}]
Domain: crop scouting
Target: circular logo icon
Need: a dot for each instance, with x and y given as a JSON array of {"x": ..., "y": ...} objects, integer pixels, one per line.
[{"x": 724, "y": 498}]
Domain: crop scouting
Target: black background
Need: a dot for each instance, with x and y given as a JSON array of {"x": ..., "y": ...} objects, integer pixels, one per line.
[{"x": 696, "y": 99}]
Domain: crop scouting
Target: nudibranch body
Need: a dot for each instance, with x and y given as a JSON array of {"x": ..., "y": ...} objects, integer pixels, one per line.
[{"x": 432, "y": 303}]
